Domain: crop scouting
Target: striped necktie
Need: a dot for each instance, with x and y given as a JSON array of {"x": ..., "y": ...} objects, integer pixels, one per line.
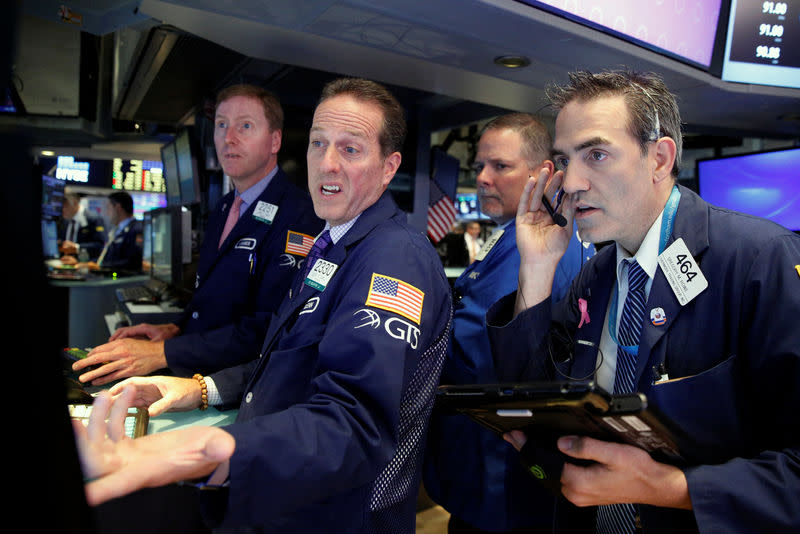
[{"x": 621, "y": 518}]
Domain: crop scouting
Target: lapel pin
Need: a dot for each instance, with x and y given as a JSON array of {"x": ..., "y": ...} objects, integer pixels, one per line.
[{"x": 657, "y": 316}]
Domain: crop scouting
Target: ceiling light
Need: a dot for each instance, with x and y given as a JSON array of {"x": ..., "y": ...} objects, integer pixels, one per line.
[
  {"x": 48, "y": 153},
  {"x": 512, "y": 62}
]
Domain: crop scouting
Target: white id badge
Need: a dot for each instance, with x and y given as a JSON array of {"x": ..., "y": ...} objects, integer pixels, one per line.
[
  {"x": 320, "y": 274},
  {"x": 684, "y": 276},
  {"x": 265, "y": 212},
  {"x": 489, "y": 245}
]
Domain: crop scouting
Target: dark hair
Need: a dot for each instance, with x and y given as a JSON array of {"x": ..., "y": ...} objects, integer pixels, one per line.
[
  {"x": 537, "y": 143},
  {"x": 272, "y": 106},
  {"x": 652, "y": 108},
  {"x": 123, "y": 199},
  {"x": 393, "y": 130}
]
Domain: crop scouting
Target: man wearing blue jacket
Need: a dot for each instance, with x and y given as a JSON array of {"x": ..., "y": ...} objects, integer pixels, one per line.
[
  {"x": 333, "y": 416},
  {"x": 694, "y": 306},
  {"x": 472, "y": 473},
  {"x": 255, "y": 240}
]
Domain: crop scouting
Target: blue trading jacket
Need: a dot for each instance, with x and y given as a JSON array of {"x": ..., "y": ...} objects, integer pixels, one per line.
[
  {"x": 332, "y": 419},
  {"x": 240, "y": 285},
  {"x": 471, "y": 472},
  {"x": 736, "y": 350}
]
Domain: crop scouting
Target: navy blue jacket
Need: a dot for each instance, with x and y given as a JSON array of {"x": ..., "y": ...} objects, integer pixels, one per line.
[
  {"x": 331, "y": 429},
  {"x": 91, "y": 237},
  {"x": 469, "y": 470},
  {"x": 736, "y": 349},
  {"x": 241, "y": 284},
  {"x": 125, "y": 251}
]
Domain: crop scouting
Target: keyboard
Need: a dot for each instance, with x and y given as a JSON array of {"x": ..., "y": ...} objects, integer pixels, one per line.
[
  {"x": 136, "y": 421},
  {"x": 139, "y": 294}
]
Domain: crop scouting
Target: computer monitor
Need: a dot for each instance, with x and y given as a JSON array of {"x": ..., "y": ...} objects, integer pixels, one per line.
[
  {"x": 52, "y": 197},
  {"x": 759, "y": 183},
  {"x": 468, "y": 208},
  {"x": 187, "y": 168},
  {"x": 50, "y": 239},
  {"x": 144, "y": 202},
  {"x": 166, "y": 245},
  {"x": 147, "y": 242},
  {"x": 170, "y": 173}
]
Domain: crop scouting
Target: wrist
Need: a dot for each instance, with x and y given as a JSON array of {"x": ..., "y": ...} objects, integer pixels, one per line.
[{"x": 201, "y": 382}]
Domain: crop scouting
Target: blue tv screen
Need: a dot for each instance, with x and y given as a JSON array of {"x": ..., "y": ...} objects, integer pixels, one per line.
[{"x": 766, "y": 184}]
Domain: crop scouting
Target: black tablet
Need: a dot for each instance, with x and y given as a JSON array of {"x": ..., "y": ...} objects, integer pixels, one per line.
[{"x": 553, "y": 409}]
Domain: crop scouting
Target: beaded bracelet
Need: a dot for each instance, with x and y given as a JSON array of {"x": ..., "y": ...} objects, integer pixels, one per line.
[{"x": 203, "y": 391}]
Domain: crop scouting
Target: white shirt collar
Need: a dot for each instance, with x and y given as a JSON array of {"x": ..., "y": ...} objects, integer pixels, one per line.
[{"x": 647, "y": 255}]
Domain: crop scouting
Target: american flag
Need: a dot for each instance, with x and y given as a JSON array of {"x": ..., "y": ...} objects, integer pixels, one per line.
[
  {"x": 297, "y": 243},
  {"x": 441, "y": 213},
  {"x": 395, "y": 296}
]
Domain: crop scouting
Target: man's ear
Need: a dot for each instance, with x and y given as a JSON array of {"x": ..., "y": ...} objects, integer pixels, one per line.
[
  {"x": 277, "y": 138},
  {"x": 390, "y": 165},
  {"x": 665, "y": 151}
]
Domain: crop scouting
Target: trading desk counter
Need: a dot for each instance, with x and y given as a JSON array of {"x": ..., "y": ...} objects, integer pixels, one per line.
[
  {"x": 177, "y": 420},
  {"x": 86, "y": 302}
]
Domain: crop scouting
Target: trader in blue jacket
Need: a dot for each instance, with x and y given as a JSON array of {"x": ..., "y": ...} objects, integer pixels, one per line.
[
  {"x": 332, "y": 417},
  {"x": 469, "y": 471},
  {"x": 242, "y": 276},
  {"x": 718, "y": 349},
  {"x": 123, "y": 248}
]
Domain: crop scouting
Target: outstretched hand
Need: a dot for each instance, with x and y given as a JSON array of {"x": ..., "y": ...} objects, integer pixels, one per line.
[{"x": 120, "y": 465}]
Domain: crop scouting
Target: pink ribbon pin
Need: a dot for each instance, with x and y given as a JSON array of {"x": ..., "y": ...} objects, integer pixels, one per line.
[{"x": 584, "y": 307}]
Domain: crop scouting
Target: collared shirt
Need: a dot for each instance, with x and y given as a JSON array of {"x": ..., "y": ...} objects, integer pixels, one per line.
[
  {"x": 252, "y": 193},
  {"x": 337, "y": 232},
  {"x": 647, "y": 256}
]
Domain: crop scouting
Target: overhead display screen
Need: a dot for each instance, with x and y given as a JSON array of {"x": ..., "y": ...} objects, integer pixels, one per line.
[
  {"x": 763, "y": 43},
  {"x": 137, "y": 175},
  {"x": 683, "y": 30}
]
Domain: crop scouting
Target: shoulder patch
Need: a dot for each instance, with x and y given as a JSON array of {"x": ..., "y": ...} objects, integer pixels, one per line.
[
  {"x": 298, "y": 244},
  {"x": 396, "y": 296}
]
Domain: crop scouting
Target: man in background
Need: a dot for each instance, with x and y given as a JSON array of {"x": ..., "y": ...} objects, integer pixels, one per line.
[
  {"x": 80, "y": 234},
  {"x": 255, "y": 241},
  {"x": 470, "y": 471},
  {"x": 472, "y": 239}
]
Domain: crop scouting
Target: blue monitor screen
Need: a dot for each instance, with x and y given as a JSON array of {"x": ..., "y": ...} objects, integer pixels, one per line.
[
  {"x": 468, "y": 208},
  {"x": 765, "y": 184}
]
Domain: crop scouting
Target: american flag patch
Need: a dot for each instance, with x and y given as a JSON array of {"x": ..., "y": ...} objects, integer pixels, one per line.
[
  {"x": 396, "y": 296},
  {"x": 297, "y": 243}
]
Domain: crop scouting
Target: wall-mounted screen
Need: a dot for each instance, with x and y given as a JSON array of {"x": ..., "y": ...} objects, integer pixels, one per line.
[
  {"x": 685, "y": 31},
  {"x": 762, "y": 183},
  {"x": 468, "y": 208},
  {"x": 763, "y": 43},
  {"x": 137, "y": 175}
]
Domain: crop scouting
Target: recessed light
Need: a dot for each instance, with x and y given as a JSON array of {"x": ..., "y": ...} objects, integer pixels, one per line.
[
  {"x": 512, "y": 62},
  {"x": 48, "y": 153}
]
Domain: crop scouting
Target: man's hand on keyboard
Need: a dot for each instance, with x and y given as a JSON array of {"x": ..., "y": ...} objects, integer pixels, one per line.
[
  {"x": 120, "y": 359},
  {"x": 119, "y": 465},
  {"x": 161, "y": 393},
  {"x": 153, "y": 332}
]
